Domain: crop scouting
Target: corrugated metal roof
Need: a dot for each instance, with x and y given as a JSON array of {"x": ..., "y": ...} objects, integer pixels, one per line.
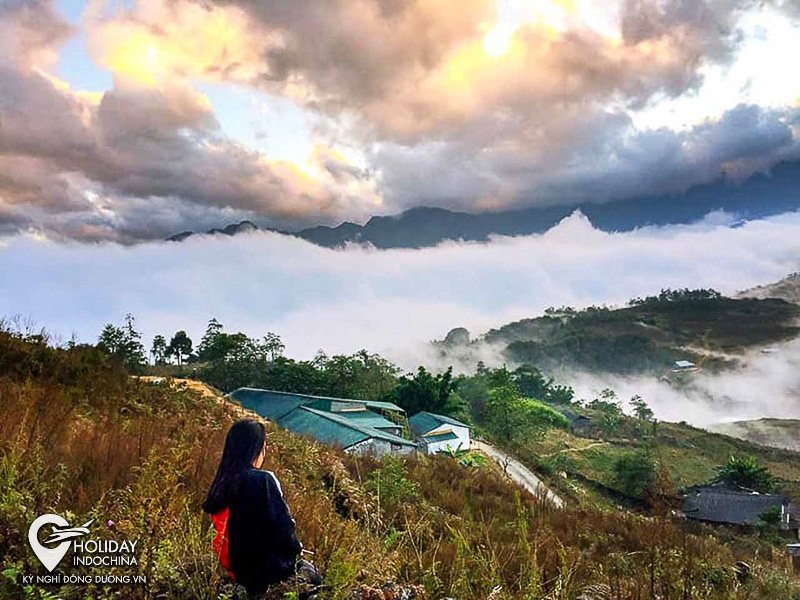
[
  {"x": 384, "y": 406},
  {"x": 270, "y": 405},
  {"x": 370, "y": 419},
  {"x": 441, "y": 437},
  {"x": 275, "y": 403},
  {"x": 308, "y": 421},
  {"x": 720, "y": 505},
  {"x": 333, "y": 428},
  {"x": 423, "y": 422}
]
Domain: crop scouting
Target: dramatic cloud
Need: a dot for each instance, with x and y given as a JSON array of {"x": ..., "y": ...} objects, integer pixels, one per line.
[
  {"x": 93, "y": 159},
  {"x": 407, "y": 103}
]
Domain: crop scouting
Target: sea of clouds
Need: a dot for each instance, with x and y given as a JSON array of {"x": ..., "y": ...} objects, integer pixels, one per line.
[{"x": 393, "y": 301}]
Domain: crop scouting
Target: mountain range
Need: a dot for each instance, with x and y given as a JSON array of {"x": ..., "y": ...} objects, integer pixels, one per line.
[{"x": 761, "y": 195}]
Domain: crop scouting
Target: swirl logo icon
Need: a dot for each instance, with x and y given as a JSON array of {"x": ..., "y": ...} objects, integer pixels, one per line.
[{"x": 62, "y": 533}]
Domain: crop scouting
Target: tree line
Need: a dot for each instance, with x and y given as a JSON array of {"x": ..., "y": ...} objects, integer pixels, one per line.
[{"x": 507, "y": 402}]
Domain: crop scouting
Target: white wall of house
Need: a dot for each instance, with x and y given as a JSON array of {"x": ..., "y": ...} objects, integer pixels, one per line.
[{"x": 461, "y": 443}]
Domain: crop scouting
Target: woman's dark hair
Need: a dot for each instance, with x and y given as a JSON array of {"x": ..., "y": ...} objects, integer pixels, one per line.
[{"x": 242, "y": 445}]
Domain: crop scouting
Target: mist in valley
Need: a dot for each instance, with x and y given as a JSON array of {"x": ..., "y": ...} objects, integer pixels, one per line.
[{"x": 396, "y": 301}]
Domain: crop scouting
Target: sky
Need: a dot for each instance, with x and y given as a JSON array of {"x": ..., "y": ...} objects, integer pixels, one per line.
[{"x": 131, "y": 120}]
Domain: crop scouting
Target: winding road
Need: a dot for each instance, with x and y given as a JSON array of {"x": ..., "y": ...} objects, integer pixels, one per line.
[{"x": 518, "y": 472}]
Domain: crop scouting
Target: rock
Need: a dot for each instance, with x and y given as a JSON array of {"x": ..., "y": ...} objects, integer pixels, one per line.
[{"x": 457, "y": 337}]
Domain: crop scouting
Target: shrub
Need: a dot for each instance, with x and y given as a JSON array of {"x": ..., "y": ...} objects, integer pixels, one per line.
[
  {"x": 747, "y": 473},
  {"x": 635, "y": 473}
]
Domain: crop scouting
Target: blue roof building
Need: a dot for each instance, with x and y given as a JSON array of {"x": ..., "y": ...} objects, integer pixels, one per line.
[
  {"x": 354, "y": 425},
  {"x": 439, "y": 433}
]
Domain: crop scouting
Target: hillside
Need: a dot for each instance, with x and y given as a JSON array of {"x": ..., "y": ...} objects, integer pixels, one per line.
[
  {"x": 787, "y": 289},
  {"x": 647, "y": 336},
  {"x": 81, "y": 438},
  {"x": 424, "y": 226},
  {"x": 779, "y": 433},
  {"x": 690, "y": 455}
]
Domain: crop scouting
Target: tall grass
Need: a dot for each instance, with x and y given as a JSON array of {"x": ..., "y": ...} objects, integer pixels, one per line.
[{"x": 82, "y": 439}]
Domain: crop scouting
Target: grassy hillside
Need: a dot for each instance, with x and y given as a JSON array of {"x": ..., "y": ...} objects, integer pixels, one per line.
[
  {"x": 690, "y": 455},
  {"x": 649, "y": 335},
  {"x": 780, "y": 433},
  {"x": 81, "y": 438}
]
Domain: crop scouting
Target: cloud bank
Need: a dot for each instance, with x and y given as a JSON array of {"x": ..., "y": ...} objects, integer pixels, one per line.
[
  {"x": 766, "y": 386},
  {"x": 383, "y": 300},
  {"x": 396, "y": 301}
]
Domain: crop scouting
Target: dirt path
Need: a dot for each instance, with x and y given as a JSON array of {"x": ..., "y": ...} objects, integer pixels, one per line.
[
  {"x": 518, "y": 472},
  {"x": 205, "y": 391}
]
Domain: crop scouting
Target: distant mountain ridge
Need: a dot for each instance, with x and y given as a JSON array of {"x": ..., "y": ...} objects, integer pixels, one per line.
[{"x": 759, "y": 196}]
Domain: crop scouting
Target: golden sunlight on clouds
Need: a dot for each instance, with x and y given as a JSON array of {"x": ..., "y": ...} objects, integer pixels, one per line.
[
  {"x": 186, "y": 40},
  {"x": 497, "y": 40},
  {"x": 135, "y": 58},
  {"x": 549, "y": 15}
]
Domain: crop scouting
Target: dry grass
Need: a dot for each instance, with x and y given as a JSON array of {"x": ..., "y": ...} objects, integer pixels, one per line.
[{"x": 80, "y": 438}]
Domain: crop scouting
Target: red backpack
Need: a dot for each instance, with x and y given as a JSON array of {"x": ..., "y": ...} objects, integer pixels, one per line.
[{"x": 220, "y": 543}]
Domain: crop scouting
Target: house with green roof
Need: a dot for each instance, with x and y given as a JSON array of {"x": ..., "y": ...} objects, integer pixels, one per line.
[
  {"x": 439, "y": 433},
  {"x": 345, "y": 432},
  {"x": 354, "y": 425}
]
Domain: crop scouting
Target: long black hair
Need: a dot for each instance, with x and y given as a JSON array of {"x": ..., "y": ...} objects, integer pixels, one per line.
[{"x": 242, "y": 445}]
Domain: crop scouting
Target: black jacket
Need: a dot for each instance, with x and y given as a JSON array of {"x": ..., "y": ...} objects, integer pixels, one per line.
[{"x": 262, "y": 543}]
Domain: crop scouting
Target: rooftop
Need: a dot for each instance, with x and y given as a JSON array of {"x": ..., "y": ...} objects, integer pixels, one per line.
[
  {"x": 333, "y": 428},
  {"x": 423, "y": 422},
  {"x": 440, "y": 437},
  {"x": 273, "y": 405},
  {"x": 369, "y": 418},
  {"x": 723, "y": 505}
]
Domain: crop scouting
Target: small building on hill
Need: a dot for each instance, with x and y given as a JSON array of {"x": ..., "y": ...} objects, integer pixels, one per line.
[
  {"x": 720, "y": 504},
  {"x": 579, "y": 424},
  {"x": 438, "y": 433},
  {"x": 684, "y": 366},
  {"x": 354, "y": 425}
]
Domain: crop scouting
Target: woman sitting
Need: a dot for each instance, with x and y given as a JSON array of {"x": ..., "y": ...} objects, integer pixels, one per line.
[{"x": 256, "y": 539}]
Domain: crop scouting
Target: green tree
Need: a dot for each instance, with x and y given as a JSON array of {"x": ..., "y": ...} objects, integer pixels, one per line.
[
  {"x": 530, "y": 382},
  {"x": 273, "y": 346},
  {"x": 180, "y": 346},
  {"x": 159, "y": 350},
  {"x": 635, "y": 473},
  {"x": 474, "y": 392},
  {"x": 747, "y": 473},
  {"x": 641, "y": 409},
  {"x": 361, "y": 375},
  {"x": 209, "y": 348},
  {"x": 510, "y": 416},
  {"x": 424, "y": 391},
  {"x": 124, "y": 343},
  {"x": 607, "y": 411}
]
